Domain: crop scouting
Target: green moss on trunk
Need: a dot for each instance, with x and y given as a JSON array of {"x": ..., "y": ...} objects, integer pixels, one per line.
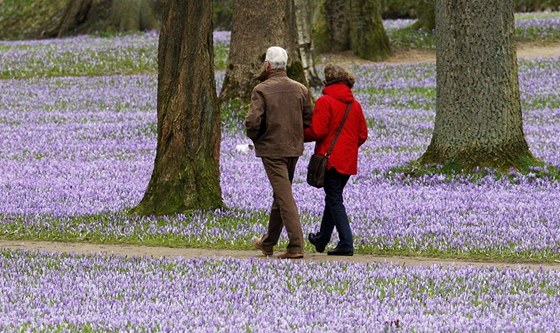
[
  {"x": 509, "y": 155},
  {"x": 295, "y": 72}
]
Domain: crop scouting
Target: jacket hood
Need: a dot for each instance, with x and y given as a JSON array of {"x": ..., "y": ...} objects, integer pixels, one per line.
[{"x": 340, "y": 91}]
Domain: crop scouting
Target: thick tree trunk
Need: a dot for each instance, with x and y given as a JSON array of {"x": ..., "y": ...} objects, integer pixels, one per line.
[
  {"x": 426, "y": 15},
  {"x": 368, "y": 37},
  {"x": 86, "y": 16},
  {"x": 478, "y": 111},
  {"x": 356, "y": 25},
  {"x": 76, "y": 13},
  {"x": 320, "y": 29},
  {"x": 258, "y": 25},
  {"x": 133, "y": 15},
  {"x": 337, "y": 18},
  {"x": 186, "y": 170},
  {"x": 330, "y": 27}
]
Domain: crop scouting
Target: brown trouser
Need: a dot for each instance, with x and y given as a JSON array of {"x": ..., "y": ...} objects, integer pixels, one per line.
[{"x": 284, "y": 212}]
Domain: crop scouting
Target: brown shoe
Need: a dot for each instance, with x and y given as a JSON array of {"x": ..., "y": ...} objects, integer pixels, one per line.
[
  {"x": 290, "y": 255},
  {"x": 257, "y": 243}
]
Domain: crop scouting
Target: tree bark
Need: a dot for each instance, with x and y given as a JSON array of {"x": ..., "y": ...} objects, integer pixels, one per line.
[
  {"x": 356, "y": 25},
  {"x": 478, "y": 109},
  {"x": 304, "y": 14},
  {"x": 426, "y": 15},
  {"x": 337, "y": 19},
  {"x": 186, "y": 168},
  {"x": 133, "y": 15},
  {"x": 257, "y": 25},
  {"x": 368, "y": 37},
  {"x": 86, "y": 16},
  {"x": 76, "y": 13}
]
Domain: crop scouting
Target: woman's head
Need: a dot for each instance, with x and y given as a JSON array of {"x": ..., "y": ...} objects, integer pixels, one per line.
[{"x": 334, "y": 74}]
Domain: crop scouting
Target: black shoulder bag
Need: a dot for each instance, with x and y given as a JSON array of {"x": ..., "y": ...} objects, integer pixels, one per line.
[{"x": 318, "y": 163}]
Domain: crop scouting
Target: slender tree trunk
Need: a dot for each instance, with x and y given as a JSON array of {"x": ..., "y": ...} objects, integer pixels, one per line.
[
  {"x": 258, "y": 25},
  {"x": 368, "y": 37},
  {"x": 186, "y": 169},
  {"x": 478, "y": 110},
  {"x": 304, "y": 15}
]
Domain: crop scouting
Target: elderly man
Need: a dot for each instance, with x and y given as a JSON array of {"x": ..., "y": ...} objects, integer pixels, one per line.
[{"x": 280, "y": 110}]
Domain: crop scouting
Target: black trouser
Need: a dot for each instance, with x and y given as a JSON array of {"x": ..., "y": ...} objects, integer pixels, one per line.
[{"x": 334, "y": 214}]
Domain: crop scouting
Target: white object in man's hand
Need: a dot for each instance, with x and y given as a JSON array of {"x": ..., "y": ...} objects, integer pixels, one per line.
[{"x": 244, "y": 148}]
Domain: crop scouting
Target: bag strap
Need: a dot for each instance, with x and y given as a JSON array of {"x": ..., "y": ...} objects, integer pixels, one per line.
[{"x": 339, "y": 130}]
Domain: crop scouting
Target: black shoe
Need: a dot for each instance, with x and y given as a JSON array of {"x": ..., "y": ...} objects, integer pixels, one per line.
[
  {"x": 340, "y": 252},
  {"x": 313, "y": 240}
]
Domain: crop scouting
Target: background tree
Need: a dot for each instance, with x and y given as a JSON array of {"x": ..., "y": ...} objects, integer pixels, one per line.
[
  {"x": 367, "y": 33},
  {"x": 256, "y": 26},
  {"x": 186, "y": 169},
  {"x": 75, "y": 14},
  {"x": 133, "y": 15},
  {"x": 85, "y": 16},
  {"x": 426, "y": 15},
  {"x": 304, "y": 15},
  {"x": 478, "y": 109},
  {"x": 362, "y": 31}
]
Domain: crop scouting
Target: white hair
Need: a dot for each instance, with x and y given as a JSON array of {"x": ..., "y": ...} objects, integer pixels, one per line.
[{"x": 277, "y": 57}]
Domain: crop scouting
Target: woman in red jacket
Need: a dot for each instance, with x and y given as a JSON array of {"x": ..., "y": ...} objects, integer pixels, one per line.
[{"x": 343, "y": 161}]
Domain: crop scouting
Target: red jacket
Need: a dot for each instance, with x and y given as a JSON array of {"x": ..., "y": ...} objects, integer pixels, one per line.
[{"x": 327, "y": 115}]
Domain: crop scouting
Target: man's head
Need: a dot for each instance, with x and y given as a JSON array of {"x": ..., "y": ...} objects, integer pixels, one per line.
[{"x": 277, "y": 57}]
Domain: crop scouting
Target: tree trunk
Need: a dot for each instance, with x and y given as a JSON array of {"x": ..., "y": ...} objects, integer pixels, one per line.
[
  {"x": 76, "y": 13},
  {"x": 258, "y": 25},
  {"x": 330, "y": 26},
  {"x": 133, "y": 15},
  {"x": 337, "y": 19},
  {"x": 478, "y": 110},
  {"x": 320, "y": 29},
  {"x": 86, "y": 16},
  {"x": 186, "y": 170},
  {"x": 426, "y": 15},
  {"x": 368, "y": 37},
  {"x": 356, "y": 25},
  {"x": 304, "y": 13}
]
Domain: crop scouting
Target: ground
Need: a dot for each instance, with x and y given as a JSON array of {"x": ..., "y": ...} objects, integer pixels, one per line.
[
  {"x": 187, "y": 253},
  {"x": 399, "y": 57}
]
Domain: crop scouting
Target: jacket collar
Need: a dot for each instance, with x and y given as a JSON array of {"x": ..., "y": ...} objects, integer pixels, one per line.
[{"x": 271, "y": 73}]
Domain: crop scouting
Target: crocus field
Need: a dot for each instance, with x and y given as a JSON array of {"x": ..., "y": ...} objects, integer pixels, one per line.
[{"x": 77, "y": 133}]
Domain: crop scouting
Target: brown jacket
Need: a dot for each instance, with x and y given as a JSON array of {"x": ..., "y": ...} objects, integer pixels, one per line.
[{"x": 280, "y": 109}]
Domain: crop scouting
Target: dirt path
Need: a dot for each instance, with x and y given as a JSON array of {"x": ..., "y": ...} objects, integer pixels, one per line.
[
  {"x": 404, "y": 56},
  {"x": 188, "y": 253}
]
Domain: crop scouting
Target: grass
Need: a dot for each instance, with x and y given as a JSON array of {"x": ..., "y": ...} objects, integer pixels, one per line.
[
  {"x": 23, "y": 18},
  {"x": 541, "y": 27},
  {"x": 103, "y": 228},
  {"x": 534, "y": 169}
]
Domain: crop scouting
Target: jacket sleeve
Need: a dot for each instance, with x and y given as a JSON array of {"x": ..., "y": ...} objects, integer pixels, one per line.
[
  {"x": 363, "y": 129},
  {"x": 255, "y": 122},
  {"x": 319, "y": 127}
]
